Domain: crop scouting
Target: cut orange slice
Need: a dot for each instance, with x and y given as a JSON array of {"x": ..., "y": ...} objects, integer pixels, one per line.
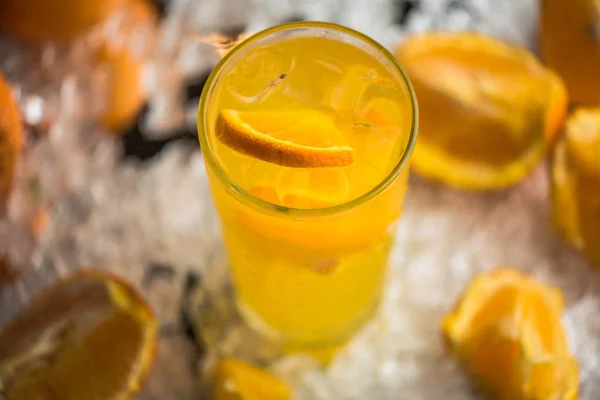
[
  {"x": 238, "y": 380},
  {"x": 303, "y": 138},
  {"x": 507, "y": 333},
  {"x": 488, "y": 110},
  {"x": 575, "y": 180},
  {"x": 90, "y": 336}
]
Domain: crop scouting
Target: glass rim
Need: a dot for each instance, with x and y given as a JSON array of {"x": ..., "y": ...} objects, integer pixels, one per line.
[{"x": 236, "y": 190}]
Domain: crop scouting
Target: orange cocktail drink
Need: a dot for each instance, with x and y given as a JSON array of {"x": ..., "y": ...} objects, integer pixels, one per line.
[{"x": 307, "y": 129}]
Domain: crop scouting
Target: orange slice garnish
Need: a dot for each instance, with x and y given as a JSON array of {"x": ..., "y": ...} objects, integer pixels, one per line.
[
  {"x": 303, "y": 138},
  {"x": 507, "y": 333},
  {"x": 90, "y": 336}
]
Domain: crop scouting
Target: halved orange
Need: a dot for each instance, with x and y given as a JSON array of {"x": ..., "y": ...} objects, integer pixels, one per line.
[
  {"x": 582, "y": 136},
  {"x": 507, "y": 333},
  {"x": 90, "y": 336},
  {"x": 125, "y": 96},
  {"x": 569, "y": 37},
  {"x": 39, "y": 21},
  {"x": 11, "y": 139},
  {"x": 303, "y": 138},
  {"x": 488, "y": 109},
  {"x": 239, "y": 380},
  {"x": 575, "y": 182}
]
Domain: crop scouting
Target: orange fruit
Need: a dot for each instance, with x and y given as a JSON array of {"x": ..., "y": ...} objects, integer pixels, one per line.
[
  {"x": 38, "y": 21},
  {"x": 569, "y": 41},
  {"x": 11, "y": 139},
  {"x": 506, "y": 331},
  {"x": 238, "y": 380},
  {"x": 488, "y": 109},
  {"x": 303, "y": 138},
  {"x": 89, "y": 336},
  {"x": 575, "y": 182},
  {"x": 125, "y": 96}
]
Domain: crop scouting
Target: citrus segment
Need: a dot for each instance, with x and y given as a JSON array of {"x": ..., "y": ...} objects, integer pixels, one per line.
[
  {"x": 238, "y": 380},
  {"x": 507, "y": 332},
  {"x": 489, "y": 110},
  {"x": 575, "y": 180},
  {"x": 89, "y": 336},
  {"x": 304, "y": 138},
  {"x": 380, "y": 112}
]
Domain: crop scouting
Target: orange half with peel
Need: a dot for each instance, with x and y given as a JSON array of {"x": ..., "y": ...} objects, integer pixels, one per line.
[
  {"x": 39, "y": 21},
  {"x": 507, "y": 333},
  {"x": 575, "y": 182},
  {"x": 11, "y": 139},
  {"x": 303, "y": 138},
  {"x": 90, "y": 336},
  {"x": 488, "y": 109}
]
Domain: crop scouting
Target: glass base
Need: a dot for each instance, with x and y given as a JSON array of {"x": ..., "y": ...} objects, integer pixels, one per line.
[
  {"x": 322, "y": 350},
  {"x": 226, "y": 327}
]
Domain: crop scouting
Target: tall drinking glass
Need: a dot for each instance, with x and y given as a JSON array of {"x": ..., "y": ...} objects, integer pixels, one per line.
[{"x": 307, "y": 130}]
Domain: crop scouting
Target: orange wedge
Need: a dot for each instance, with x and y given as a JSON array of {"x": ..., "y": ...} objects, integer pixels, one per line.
[
  {"x": 238, "y": 380},
  {"x": 302, "y": 138},
  {"x": 575, "y": 180},
  {"x": 489, "y": 110},
  {"x": 11, "y": 139},
  {"x": 507, "y": 333},
  {"x": 90, "y": 336},
  {"x": 569, "y": 37}
]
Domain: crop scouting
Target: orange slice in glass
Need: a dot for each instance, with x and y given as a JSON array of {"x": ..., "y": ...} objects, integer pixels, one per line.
[
  {"x": 236, "y": 380},
  {"x": 488, "y": 109},
  {"x": 90, "y": 336},
  {"x": 507, "y": 333},
  {"x": 303, "y": 138},
  {"x": 292, "y": 199}
]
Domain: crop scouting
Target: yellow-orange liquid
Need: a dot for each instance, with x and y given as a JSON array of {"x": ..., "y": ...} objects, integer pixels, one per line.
[{"x": 312, "y": 280}]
